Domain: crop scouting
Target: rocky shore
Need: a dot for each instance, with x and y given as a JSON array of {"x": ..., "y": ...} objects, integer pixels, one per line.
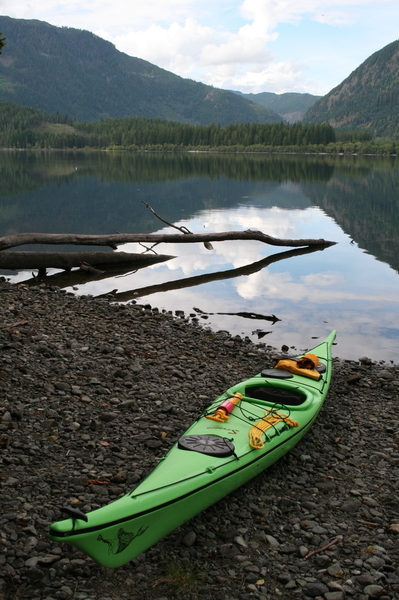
[{"x": 93, "y": 394}]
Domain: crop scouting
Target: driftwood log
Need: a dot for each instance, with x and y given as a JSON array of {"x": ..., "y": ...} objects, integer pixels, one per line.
[
  {"x": 68, "y": 260},
  {"x": 117, "y": 239}
]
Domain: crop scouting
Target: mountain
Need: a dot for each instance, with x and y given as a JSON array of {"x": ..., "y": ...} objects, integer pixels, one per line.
[
  {"x": 368, "y": 98},
  {"x": 74, "y": 72},
  {"x": 292, "y": 106}
]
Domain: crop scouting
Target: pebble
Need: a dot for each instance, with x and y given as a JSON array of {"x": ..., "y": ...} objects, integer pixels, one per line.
[{"x": 96, "y": 392}]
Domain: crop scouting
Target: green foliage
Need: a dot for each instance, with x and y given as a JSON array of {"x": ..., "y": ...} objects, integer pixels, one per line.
[
  {"x": 179, "y": 578},
  {"x": 22, "y": 127},
  {"x": 150, "y": 132},
  {"x": 356, "y": 135},
  {"x": 2, "y": 41},
  {"x": 368, "y": 99}
]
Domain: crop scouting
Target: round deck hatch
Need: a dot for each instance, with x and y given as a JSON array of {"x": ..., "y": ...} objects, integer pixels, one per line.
[{"x": 213, "y": 445}]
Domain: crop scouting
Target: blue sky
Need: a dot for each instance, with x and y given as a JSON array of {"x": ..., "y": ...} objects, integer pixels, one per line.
[{"x": 246, "y": 45}]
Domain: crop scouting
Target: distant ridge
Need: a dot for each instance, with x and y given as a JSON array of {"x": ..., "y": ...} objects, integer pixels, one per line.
[
  {"x": 74, "y": 72},
  {"x": 292, "y": 106},
  {"x": 367, "y": 99}
]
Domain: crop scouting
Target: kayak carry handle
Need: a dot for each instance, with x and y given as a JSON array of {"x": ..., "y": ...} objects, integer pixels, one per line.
[{"x": 74, "y": 513}]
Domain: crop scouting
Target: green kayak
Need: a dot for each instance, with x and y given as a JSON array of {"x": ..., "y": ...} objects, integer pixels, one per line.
[{"x": 244, "y": 431}]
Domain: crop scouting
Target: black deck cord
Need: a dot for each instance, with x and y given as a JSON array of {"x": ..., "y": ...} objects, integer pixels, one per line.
[
  {"x": 245, "y": 417},
  {"x": 270, "y": 411},
  {"x": 225, "y": 440}
]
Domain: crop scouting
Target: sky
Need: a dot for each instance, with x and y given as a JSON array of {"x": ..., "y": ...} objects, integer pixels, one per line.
[{"x": 252, "y": 46}]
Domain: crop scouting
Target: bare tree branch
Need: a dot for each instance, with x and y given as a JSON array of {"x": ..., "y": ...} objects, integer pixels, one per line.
[
  {"x": 334, "y": 541},
  {"x": 183, "y": 229}
]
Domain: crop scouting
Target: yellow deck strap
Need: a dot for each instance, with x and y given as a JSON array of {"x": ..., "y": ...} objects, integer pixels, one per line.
[{"x": 271, "y": 418}]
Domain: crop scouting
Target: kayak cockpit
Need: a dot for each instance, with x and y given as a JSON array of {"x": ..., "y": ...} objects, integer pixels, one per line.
[{"x": 276, "y": 395}]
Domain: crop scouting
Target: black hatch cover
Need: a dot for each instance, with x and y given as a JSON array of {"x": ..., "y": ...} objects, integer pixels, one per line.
[{"x": 213, "y": 445}]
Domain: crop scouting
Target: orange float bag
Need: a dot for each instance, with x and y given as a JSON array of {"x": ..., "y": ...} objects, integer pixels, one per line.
[{"x": 306, "y": 366}]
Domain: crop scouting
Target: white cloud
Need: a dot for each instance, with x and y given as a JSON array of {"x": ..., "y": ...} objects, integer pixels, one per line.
[
  {"x": 230, "y": 58},
  {"x": 175, "y": 48},
  {"x": 226, "y": 60},
  {"x": 240, "y": 48},
  {"x": 269, "y": 13},
  {"x": 280, "y": 77}
]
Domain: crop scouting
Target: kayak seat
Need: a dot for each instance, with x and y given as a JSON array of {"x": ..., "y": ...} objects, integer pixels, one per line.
[
  {"x": 213, "y": 445},
  {"x": 276, "y": 395}
]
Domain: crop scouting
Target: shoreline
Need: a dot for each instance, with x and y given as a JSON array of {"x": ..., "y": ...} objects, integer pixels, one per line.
[
  {"x": 94, "y": 392},
  {"x": 156, "y": 150}
]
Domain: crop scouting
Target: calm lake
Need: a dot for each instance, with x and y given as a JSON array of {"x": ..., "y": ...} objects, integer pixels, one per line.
[{"x": 352, "y": 287}]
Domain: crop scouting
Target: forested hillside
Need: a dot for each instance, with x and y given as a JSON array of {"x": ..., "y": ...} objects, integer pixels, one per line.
[
  {"x": 367, "y": 99},
  {"x": 74, "y": 72},
  {"x": 292, "y": 106},
  {"x": 24, "y": 127}
]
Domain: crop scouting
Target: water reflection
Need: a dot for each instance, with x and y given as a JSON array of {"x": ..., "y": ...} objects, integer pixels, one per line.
[
  {"x": 229, "y": 274},
  {"x": 352, "y": 287}
]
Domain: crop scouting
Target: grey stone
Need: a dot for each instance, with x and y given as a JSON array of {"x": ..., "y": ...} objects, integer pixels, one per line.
[
  {"x": 315, "y": 589},
  {"x": 336, "y": 478},
  {"x": 272, "y": 541},
  {"x": 373, "y": 590},
  {"x": 339, "y": 595},
  {"x": 189, "y": 538}
]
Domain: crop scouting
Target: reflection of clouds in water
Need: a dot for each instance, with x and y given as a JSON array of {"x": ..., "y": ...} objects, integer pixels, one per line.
[
  {"x": 324, "y": 279},
  {"x": 317, "y": 288},
  {"x": 225, "y": 255},
  {"x": 340, "y": 288},
  {"x": 280, "y": 285},
  {"x": 234, "y": 254},
  {"x": 272, "y": 221}
]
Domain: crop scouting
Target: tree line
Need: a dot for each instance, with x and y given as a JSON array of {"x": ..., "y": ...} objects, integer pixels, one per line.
[
  {"x": 28, "y": 128},
  {"x": 144, "y": 132}
]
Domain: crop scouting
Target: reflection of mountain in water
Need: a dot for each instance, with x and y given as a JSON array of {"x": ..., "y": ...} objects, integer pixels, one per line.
[
  {"x": 99, "y": 192},
  {"x": 102, "y": 192},
  {"x": 365, "y": 204}
]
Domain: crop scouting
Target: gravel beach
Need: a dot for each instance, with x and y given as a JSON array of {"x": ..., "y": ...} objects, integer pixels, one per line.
[{"x": 93, "y": 394}]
